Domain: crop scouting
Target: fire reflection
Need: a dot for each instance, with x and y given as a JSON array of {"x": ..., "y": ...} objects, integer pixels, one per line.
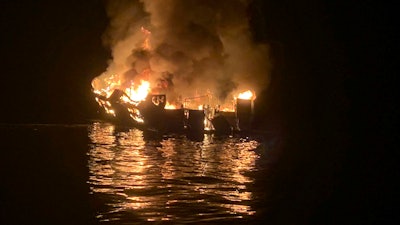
[{"x": 169, "y": 178}]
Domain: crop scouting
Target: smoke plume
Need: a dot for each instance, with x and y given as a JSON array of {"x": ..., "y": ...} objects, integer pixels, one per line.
[{"x": 195, "y": 46}]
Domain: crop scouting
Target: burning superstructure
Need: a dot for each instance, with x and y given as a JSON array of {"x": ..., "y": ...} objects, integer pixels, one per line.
[
  {"x": 175, "y": 59},
  {"x": 155, "y": 112}
]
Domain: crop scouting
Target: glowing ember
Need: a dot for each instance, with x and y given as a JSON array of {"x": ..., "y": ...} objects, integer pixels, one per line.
[{"x": 248, "y": 95}]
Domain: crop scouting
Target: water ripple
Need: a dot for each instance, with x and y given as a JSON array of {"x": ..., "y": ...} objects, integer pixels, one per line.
[{"x": 170, "y": 179}]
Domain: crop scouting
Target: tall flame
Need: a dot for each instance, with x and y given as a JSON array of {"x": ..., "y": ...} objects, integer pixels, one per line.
[{"x": 107, "y": 83}]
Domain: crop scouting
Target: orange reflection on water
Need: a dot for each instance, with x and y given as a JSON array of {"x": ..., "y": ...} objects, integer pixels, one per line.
[
  {"x": 169, "y": 178},
  {"x": 168, "y": 152}
]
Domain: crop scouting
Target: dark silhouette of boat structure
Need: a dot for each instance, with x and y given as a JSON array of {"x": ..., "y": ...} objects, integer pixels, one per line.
[{"x": 151, "y": 115}]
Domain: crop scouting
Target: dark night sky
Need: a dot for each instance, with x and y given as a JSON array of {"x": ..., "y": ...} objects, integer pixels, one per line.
[
  {"x": 333, "y": 88},
  {"x": 50, "y": 51}
]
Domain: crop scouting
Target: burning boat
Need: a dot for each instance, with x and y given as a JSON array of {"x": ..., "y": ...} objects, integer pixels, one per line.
[
  {"x": 142, "y": 109},
  {"x": 180, "y": 81}
]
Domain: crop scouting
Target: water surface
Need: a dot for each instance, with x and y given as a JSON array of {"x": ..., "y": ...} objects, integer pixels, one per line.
[
  {"x": 171, "y": 178},
  {"x": 100, "y": 174}
]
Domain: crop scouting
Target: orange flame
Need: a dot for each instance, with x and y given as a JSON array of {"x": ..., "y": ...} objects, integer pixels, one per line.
[
  {"x": 146, "y": 43},
  {"x": 247, "y": 95},
  {"x": 169, "y": 106},
  {"x": 137, "y": 93},
  {"x": 106, "y": 86}
]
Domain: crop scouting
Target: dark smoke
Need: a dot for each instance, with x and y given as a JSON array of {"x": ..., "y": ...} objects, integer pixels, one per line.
[{"x": 203, "y": 45}]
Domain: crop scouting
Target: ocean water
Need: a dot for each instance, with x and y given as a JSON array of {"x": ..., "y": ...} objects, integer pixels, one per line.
[{"x": 98, "y": 173}]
